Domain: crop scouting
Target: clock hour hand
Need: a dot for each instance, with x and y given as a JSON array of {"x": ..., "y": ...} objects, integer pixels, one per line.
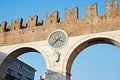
[
  {"x": 61, "y": 40},
  {"x": 56, "y": 41}
]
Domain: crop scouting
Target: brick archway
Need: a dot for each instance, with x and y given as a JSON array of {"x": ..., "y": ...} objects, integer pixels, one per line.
[{"x": 8, "y": 59}]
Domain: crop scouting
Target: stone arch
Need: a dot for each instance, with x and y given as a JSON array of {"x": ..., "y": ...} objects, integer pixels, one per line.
[
  {"x": 17, "y": 51},
  {"x": 81, "y": 44}
]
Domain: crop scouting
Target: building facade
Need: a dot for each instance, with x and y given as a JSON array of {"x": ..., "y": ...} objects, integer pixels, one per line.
[{"x": 19, "y": 70}]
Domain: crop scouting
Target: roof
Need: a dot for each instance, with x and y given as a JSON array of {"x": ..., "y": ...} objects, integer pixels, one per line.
[{"x": 26, "y": 65}]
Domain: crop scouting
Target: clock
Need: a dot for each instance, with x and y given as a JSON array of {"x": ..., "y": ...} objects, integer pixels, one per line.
[{"x": 57, "y": 39}]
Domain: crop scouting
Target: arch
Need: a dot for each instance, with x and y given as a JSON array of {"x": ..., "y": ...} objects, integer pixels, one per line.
[
  {"x": 85, "y": 42},
  {"x": 17, "y": 51}
]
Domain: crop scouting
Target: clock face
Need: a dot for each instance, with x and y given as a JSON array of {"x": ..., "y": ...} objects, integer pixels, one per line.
[{"x": 57, "y": 39}]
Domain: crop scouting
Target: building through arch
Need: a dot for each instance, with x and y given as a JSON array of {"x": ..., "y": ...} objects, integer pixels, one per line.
[{"x": 13, "y": 56}]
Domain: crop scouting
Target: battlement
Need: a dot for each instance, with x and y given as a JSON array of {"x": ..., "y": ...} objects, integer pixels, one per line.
[
  {"x": 54, "y": 18},
  {"x": 3, "y": 26},
  {"x": 112, "y": 11},
  {"x": 72, "y": 25},
  {"x": 71, "y": 15},
  {"x": 91, "y": 12}
]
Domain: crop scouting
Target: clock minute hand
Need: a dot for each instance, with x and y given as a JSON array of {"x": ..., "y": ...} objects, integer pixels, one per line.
[{"x": 56, "y": 41}]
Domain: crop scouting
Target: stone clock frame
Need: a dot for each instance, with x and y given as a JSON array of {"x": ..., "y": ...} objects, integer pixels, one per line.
[{"x": 59, "y": 36}]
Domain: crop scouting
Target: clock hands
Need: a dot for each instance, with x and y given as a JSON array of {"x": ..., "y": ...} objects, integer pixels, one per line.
[
  {"x": 56, "y": 41},
  {"x": 61, "y": 40}
]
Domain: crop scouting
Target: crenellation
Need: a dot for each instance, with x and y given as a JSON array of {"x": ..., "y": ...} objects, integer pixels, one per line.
[
  {"x": 92, "y": 14},
  {"x": 67, "y": 14},
  {"x": 88, "y": 25},
  {"x": 32, "y": 22},
  {"x": 115, "y": 7},
  {"x": 40, "y": 23},
  {"x": 71, "y": 15},
  {"x": 94, "y": 10},
  {"x": 16, "y": 25},
  {"x": 34, "y": 18},
  {"x": 108, "y": 8},
  {"x": 19, "y": 21},
  {"x": 3, "y": 26},
  {"x": 48, "y": 18},
  {"x": 75, "y": 12},
  {"x": 112, "y": 9},
  {"x": 88, "y": 12},
  {"x": 54, "y": 18},
  {"x": 24, "y": 26}
]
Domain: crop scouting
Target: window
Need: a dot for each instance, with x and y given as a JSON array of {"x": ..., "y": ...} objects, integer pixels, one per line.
[
  {"x": 8, "y": 72},
  {"x": 28, "y": 71},
  {"x": 29, "y": 79},
  {"x": 19, "y": 76},
  {"x": 20, "y": 67}
]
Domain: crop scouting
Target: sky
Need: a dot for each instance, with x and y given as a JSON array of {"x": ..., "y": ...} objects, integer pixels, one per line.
[{"x": 97, "y": 62}]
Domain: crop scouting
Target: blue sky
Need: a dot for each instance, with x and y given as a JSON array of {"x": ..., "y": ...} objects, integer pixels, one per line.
[{"x": 98, "y": 62}]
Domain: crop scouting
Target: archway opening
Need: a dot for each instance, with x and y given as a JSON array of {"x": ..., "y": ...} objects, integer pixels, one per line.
[
  {"x": 84, "y": 45},
  {"x": 35, "y": 60},
  {"x": 97, "y": 62},
  {"x": 22, "y": 63}
]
